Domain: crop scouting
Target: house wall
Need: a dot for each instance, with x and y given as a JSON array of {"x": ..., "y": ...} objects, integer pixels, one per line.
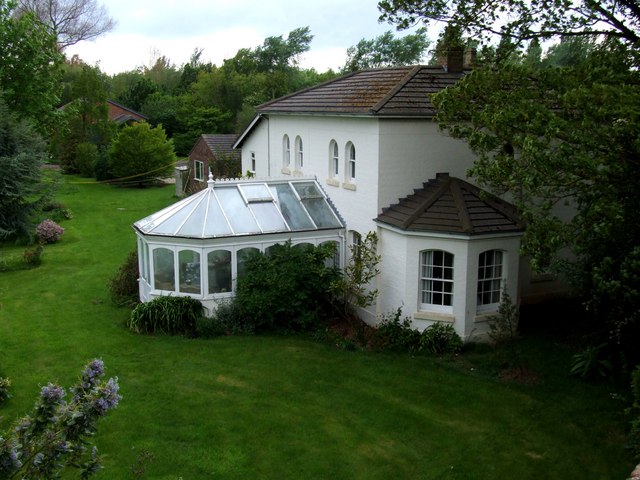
[
  {"x": 202, "y": 153},
  {"x": 399, "y": 280}
]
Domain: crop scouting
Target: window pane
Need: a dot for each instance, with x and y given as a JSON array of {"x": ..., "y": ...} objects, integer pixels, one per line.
[
  {"x": 290, "y": 207},
  {"x": 219, "y": 269},
  {"x": 268, "y": 217},
  {"x": 235, "y": 209},
  {"x": 163, "y": 269},
  {"x": 489, "y": 277},
  {"x": 437, "y": 278},
  {"x": 189, "y": 268},
  {"x": 241, "y": 259},
  {"x": 321, "y": 213}
]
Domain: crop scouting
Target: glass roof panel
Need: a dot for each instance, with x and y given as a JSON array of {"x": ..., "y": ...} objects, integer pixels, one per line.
[
  {"x": 256, "y": 192},
  {"x": 321, "y": 213},
  {"x": 291, "y": 209},
  {"x": 268, "y": 217},
  {"x": 217, "y": 225},
  {"x": 236, "y": 211},
  {"x": 307, "y": 190}
]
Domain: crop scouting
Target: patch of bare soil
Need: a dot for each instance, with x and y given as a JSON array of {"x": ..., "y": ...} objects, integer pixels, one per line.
[{"x": 522, "y": 375}]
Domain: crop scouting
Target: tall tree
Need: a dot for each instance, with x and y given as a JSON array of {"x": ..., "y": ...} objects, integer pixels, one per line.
[
  {"x": 387, "y": 51},
  {"x": 70, "y": 21},
  {"x": 29, "y": 65}
]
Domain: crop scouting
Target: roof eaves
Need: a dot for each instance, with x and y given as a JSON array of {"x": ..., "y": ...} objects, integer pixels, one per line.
[{"x": 245, "y": 133}]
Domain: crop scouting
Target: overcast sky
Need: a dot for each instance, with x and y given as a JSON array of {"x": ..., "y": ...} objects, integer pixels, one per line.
[{"x": 148, "y": 28}]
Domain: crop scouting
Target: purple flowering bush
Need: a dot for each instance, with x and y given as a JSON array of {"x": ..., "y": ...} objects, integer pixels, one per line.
[
  {"x": 49, "y": 231},
  {"x": 55, "y": 435}
]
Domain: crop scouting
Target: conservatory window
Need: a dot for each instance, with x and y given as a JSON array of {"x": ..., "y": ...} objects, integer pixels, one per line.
[
  {"x": 241, "y": 259},
  {"x": 189, "y": 271},
  {"x": 163, "y": 269},
  {"x": 351, "y": 162},
  {"x": 299, "y": 154},
  {"x": 436, "y": 280},
  {"x": 286, "y": 152},
  {"x": 334, "y": 159},
  {"x": 199, "y": 170},
  {"x": 219, "y": 271},
  {"x": 490, "y": 280}
]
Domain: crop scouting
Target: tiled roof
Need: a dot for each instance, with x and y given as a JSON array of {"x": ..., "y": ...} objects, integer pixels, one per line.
[
  {"x": 450, "y": 205},
  {"x": 222, "y": 143},
  {"x": 396, "y": 91}
]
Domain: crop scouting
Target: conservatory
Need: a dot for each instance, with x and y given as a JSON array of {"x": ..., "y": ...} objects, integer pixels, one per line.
[{"x": 199, "y": 245}]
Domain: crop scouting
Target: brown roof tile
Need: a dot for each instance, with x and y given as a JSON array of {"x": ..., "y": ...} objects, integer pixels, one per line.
[
  {"x": 396, "y": 91},
  {"x": 221, "y": 143},
  {"x": 451, "y": 205}
]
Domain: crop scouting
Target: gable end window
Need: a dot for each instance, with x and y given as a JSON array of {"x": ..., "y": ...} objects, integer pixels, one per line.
[
  {"x": 299, "y": 153},
  {"x": 490, "y": 279},
  {"x": 351, "y": 163},
  {"x": 436, "y": 280},
  {"x": 286, "y": 152},
  {"x": 198, "y": 173}
]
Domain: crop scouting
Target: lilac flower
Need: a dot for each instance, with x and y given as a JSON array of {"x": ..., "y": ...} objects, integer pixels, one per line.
[
  {"x": 92, "y": 373},
  {"x": 108, "y": 396},
  {"x": 38, "y": 459},
  {"x": 52, "y": 394},
  {"x": 49, "y": 231}
]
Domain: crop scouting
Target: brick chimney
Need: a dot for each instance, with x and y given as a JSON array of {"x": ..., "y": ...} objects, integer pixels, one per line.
[{"x": 455, "y": 60}]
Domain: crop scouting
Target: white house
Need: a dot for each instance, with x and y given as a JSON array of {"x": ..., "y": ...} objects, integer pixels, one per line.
[{"x": 370, "y": 140}]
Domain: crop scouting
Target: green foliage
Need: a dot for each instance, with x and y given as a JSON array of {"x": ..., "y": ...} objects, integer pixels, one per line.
[
  {"x": 394, "y": 334},
  {"x": 56, "y": 211},
  {"x": 289, "y": 288},
  {"x": 634, "y": 412},
  {"x": 32, "y": 256},
  {"x": 86, "y": 158},
  {"x": 29, "y": 66},
  {"x": 353, "y": 288},
  {"x": 503, "y": 327},
  {"x": 166, "y": 315},
  {"x": 123, "y": 286},
  {"x": 591, "y": 364},
  {"x": 440, "y": 338},
  {"x": 22, "y": 153},
  {"x": 5, "y": 384},
  {"x": 54, "y": 437},
  {"x": 387, "y": 51},
  {"x": 141, "y": 154}
]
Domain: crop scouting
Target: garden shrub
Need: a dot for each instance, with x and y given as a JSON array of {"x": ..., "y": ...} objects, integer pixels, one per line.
[
  {"x": 55, "y": 435},
  {"x": 57, "y": 211},
  {"x": 440, "y": 338},
  {"x": 124, "y": 284},
  {"x": 634, "y": 412},
  {"x": 32, "y": 257},
  {"x": 5, "y": 383},
  {"x": 592, "y": 363},
  {"x": 49, "y": 231},
  {"x": 166, "y": 315},
  {"x": 394, "y": 334},
  {"x": 86, "y": 158},
  {"x": 288, "y": 289}
]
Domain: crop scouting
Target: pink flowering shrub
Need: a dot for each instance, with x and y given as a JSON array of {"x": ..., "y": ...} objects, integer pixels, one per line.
[{"x": 49, "y": 231}]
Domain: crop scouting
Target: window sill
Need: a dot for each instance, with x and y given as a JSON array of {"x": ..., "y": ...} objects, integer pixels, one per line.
[
  {"x": 483, "y": 317},
  {"x": 349, "y": 186},
  {"x": 298, "y": 173},
  {"x": 332, "y": 182},
  {"x": 435, "y": 317},
  {"x": 286, "y": 171}
]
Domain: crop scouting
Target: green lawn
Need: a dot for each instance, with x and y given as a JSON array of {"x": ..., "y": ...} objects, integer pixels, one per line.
[{"x": 283, "y": 408}]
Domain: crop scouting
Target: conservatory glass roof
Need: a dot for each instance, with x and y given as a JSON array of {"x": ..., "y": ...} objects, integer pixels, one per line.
[{"x": 245, "y": 207}]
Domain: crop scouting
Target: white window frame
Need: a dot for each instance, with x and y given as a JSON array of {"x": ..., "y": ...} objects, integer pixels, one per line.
[
  {"x": 350, "y": 163},
  {"x": 436, "y": 281},
  {"x": 286, "y": 151},
  {"x": 490, "y": 279},
  {"x": 253, "y": 162},
  {"x": 299, "y": 153},
  {"x": 334, "y": 159},
  {"x": 198, "y": 170}
]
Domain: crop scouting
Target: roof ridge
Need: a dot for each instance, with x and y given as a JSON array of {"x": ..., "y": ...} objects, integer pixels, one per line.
[
  {"x": 429, "y": 200},
  {"x": 384, "y": 100}
]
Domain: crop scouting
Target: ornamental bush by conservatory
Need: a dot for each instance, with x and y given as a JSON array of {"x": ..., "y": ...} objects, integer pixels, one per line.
[
  {"x": 49, "y": 231},
  {"x": 54, "y": 436}
]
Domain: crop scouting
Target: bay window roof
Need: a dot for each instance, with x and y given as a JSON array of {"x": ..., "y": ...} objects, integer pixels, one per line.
[{"x": 245, "y": 207}]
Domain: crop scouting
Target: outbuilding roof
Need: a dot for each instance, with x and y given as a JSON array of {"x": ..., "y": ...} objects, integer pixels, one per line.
[
  {"x": 221, "y": 143},
  {"x": 245, "y": 207},
  {"x": 396, "y": 91},
  {"x": 451, "y": 205}
]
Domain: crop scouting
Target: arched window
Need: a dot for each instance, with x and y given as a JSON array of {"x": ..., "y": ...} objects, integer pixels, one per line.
[
  {"x": 490, "y": 277},
  {"x": 242, "y": 256},
  {"x": 189, "y": 271},
  {"x": 334, "y": 159},
  {"x": 219, "y": 269},
  {"x": 299, "y": 153},
  {"x": 351, "y": 162},
  {"x": 164, "y": 277},
  {"x": 286, "y": 152},
  {"x": 436, "y": 280}
]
